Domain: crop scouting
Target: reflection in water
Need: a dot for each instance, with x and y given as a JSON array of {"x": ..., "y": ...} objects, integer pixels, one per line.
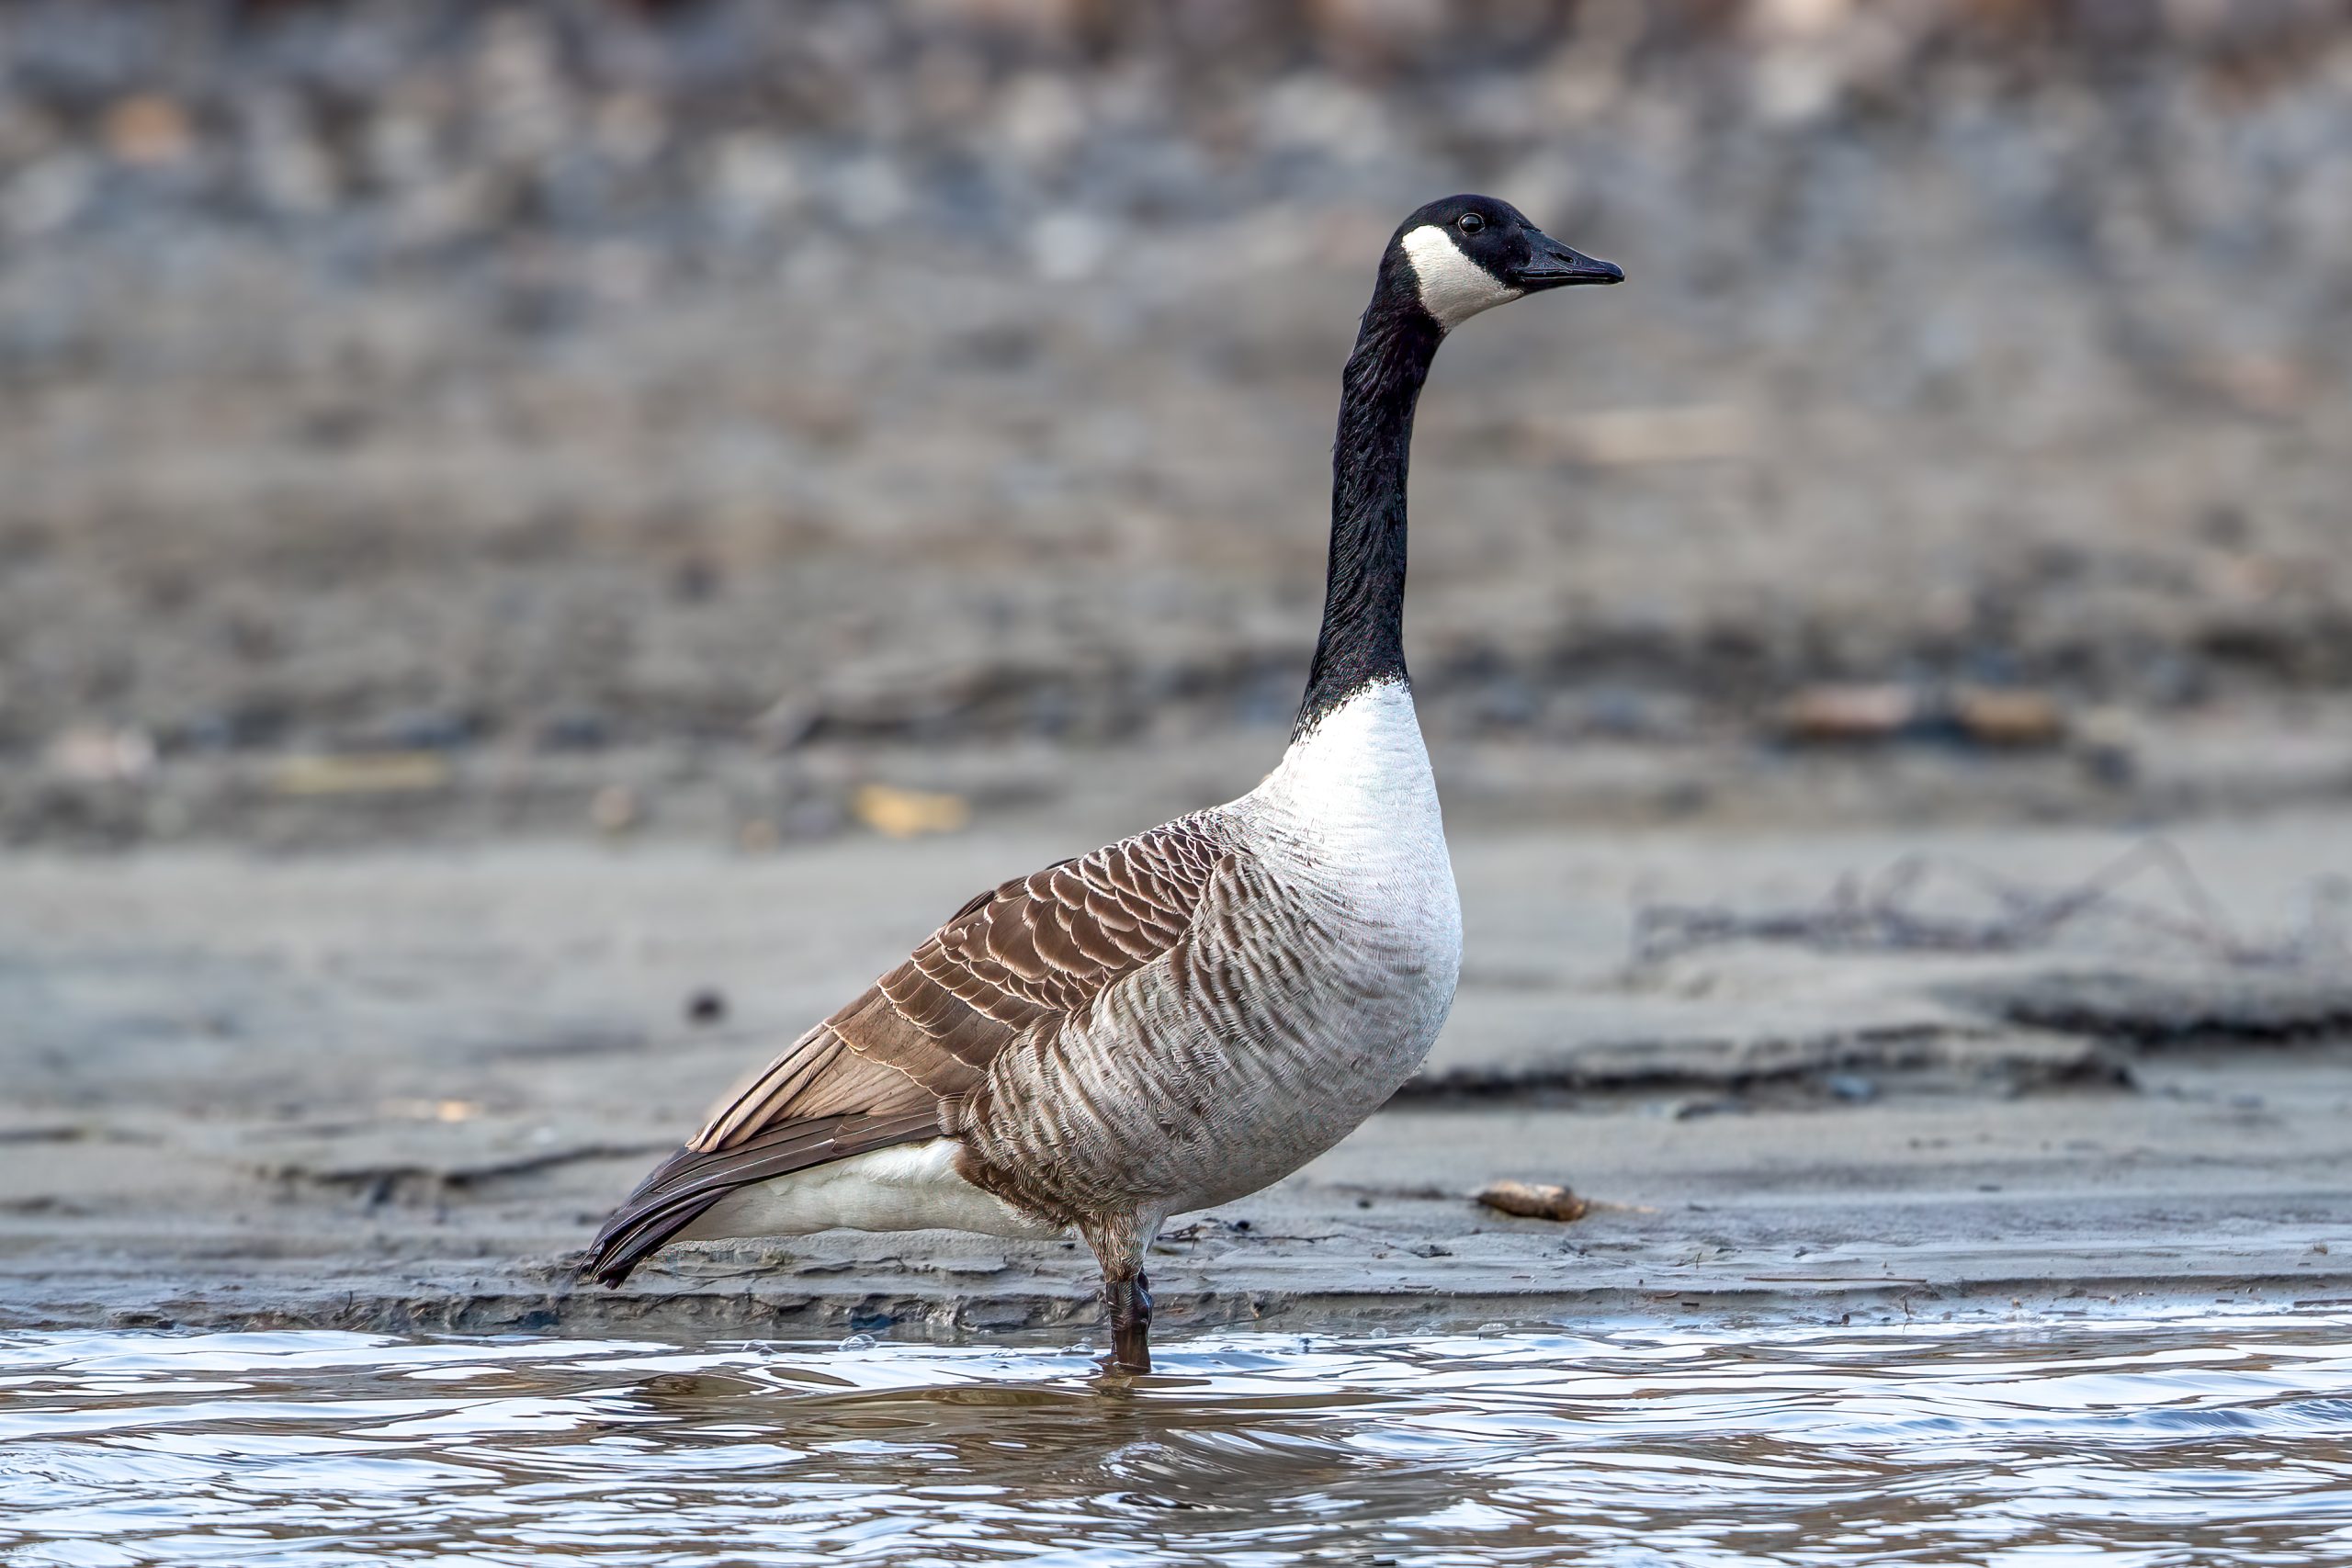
[{"x": 2151, "y": 1441}]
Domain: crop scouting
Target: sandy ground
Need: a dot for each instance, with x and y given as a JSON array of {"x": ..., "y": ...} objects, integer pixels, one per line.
[
  {"x": 396, "y": 1089},
  {"x": 490, "y": 497}
]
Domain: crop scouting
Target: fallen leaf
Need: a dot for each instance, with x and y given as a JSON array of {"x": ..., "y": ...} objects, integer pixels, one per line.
[
  {"x": 364, "y": 772},
  {"x": 909, "y": 813}
]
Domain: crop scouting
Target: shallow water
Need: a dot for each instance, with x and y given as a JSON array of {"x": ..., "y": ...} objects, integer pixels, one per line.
[{"x": 2179, "y": 1439}]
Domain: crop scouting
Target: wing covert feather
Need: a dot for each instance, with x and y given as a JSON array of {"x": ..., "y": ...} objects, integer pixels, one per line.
[
  {"x": 897, "y": 1064},
  {"x": 1022, "y": 958}
]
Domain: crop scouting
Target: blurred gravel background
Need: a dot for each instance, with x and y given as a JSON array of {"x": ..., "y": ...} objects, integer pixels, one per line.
[{"x": 437, "y": 418}]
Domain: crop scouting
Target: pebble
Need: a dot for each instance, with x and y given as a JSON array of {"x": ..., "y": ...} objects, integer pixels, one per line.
[
  {"x": 98, "y": 755},
  {"x": 1852, "y": 1087},
  {"x": 1533, "y": 1200},
  {"x": 614, "y": 809}
]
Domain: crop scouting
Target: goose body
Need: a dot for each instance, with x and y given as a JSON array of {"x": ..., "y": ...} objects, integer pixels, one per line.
[
  {"x": 1188, "y": 1015},
  {"x": 1339, "y": 947}
]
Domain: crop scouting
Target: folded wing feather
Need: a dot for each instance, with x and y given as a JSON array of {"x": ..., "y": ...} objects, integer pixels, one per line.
[{"x": 895, "y": 1064}]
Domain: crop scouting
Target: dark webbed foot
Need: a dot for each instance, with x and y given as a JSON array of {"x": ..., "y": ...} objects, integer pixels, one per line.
[
  {"x": 1129, "y": 1302},
  {"x": 1119, "y": 1242}
]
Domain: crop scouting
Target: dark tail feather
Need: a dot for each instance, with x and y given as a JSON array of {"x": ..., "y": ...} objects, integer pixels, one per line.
[
  {"x": 683, "y": 1187},
  {"x": 641, "y": 1225}
]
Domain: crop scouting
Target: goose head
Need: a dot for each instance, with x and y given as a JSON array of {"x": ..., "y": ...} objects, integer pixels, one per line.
[{"x": 1468, "y": 254}]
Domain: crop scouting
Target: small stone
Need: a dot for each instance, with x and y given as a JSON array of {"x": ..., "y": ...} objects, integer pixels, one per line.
[
  {"x": 98, "y": 755},
  {"x": 614, "y": 809},
  {"x": 1533, "y": 1200},
  {"x": 1852, "y": 1087},
  {"x": 787, "y": 722},
  {"x": 149, "y": 129},
  {"x": 1849, "y": 714},
  {"x": 706, "y": 1005},
  {"x": 2005, "y": 718}
]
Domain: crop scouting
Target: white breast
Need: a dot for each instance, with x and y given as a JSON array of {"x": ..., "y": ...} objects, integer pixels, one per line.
[
  {"x": 1336, "y": 978},
  {"x": 1358, "y": 788},
  {"x": 1353, "y": 810}
]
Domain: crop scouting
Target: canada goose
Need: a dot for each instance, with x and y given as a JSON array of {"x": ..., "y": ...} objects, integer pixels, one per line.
[{"x": 1187, "y": 1015}]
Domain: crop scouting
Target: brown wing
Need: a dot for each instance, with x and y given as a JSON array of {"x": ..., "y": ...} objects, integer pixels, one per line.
[{"x": 895, "y": 1064}]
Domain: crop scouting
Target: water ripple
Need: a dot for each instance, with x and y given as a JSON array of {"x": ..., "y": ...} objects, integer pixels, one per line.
[{"x": 2144, "y": 1444}]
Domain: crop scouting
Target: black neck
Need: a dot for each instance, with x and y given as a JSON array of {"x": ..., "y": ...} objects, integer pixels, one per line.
[{"x": 1364, "y": 603}]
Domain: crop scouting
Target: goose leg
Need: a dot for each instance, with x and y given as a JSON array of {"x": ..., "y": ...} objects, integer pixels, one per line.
[
  {"x": 1129, "y": 1300},
  {"x": 1119, "y": 1242}
]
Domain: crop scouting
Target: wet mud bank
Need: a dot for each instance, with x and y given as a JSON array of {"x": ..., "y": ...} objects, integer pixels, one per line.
[{"x": 397, "y": 1091}]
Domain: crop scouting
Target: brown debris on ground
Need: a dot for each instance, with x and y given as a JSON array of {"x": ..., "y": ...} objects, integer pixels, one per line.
[
  {"x": 1533, "y": 1200},
  {"x": 399, "y": 1091}
]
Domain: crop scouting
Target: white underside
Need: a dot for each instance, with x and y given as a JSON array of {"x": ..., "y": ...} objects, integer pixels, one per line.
[{"x": 912, "y": 1187}]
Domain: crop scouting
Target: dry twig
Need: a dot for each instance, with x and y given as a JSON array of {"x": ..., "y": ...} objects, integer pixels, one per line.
[{"x": 1883, "y": 913}]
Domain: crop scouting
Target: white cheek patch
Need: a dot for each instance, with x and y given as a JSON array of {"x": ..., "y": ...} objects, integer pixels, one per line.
[{"x": 1453, "y": 288}]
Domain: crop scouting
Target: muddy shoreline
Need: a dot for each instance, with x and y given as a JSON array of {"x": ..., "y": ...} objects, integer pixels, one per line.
[
  {"x": 511, "y": 513},
  {"x": 396, "y": 1089}
]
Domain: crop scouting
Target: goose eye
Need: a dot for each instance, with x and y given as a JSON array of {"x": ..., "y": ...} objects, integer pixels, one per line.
[{"x": 1472, "y": 222}]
